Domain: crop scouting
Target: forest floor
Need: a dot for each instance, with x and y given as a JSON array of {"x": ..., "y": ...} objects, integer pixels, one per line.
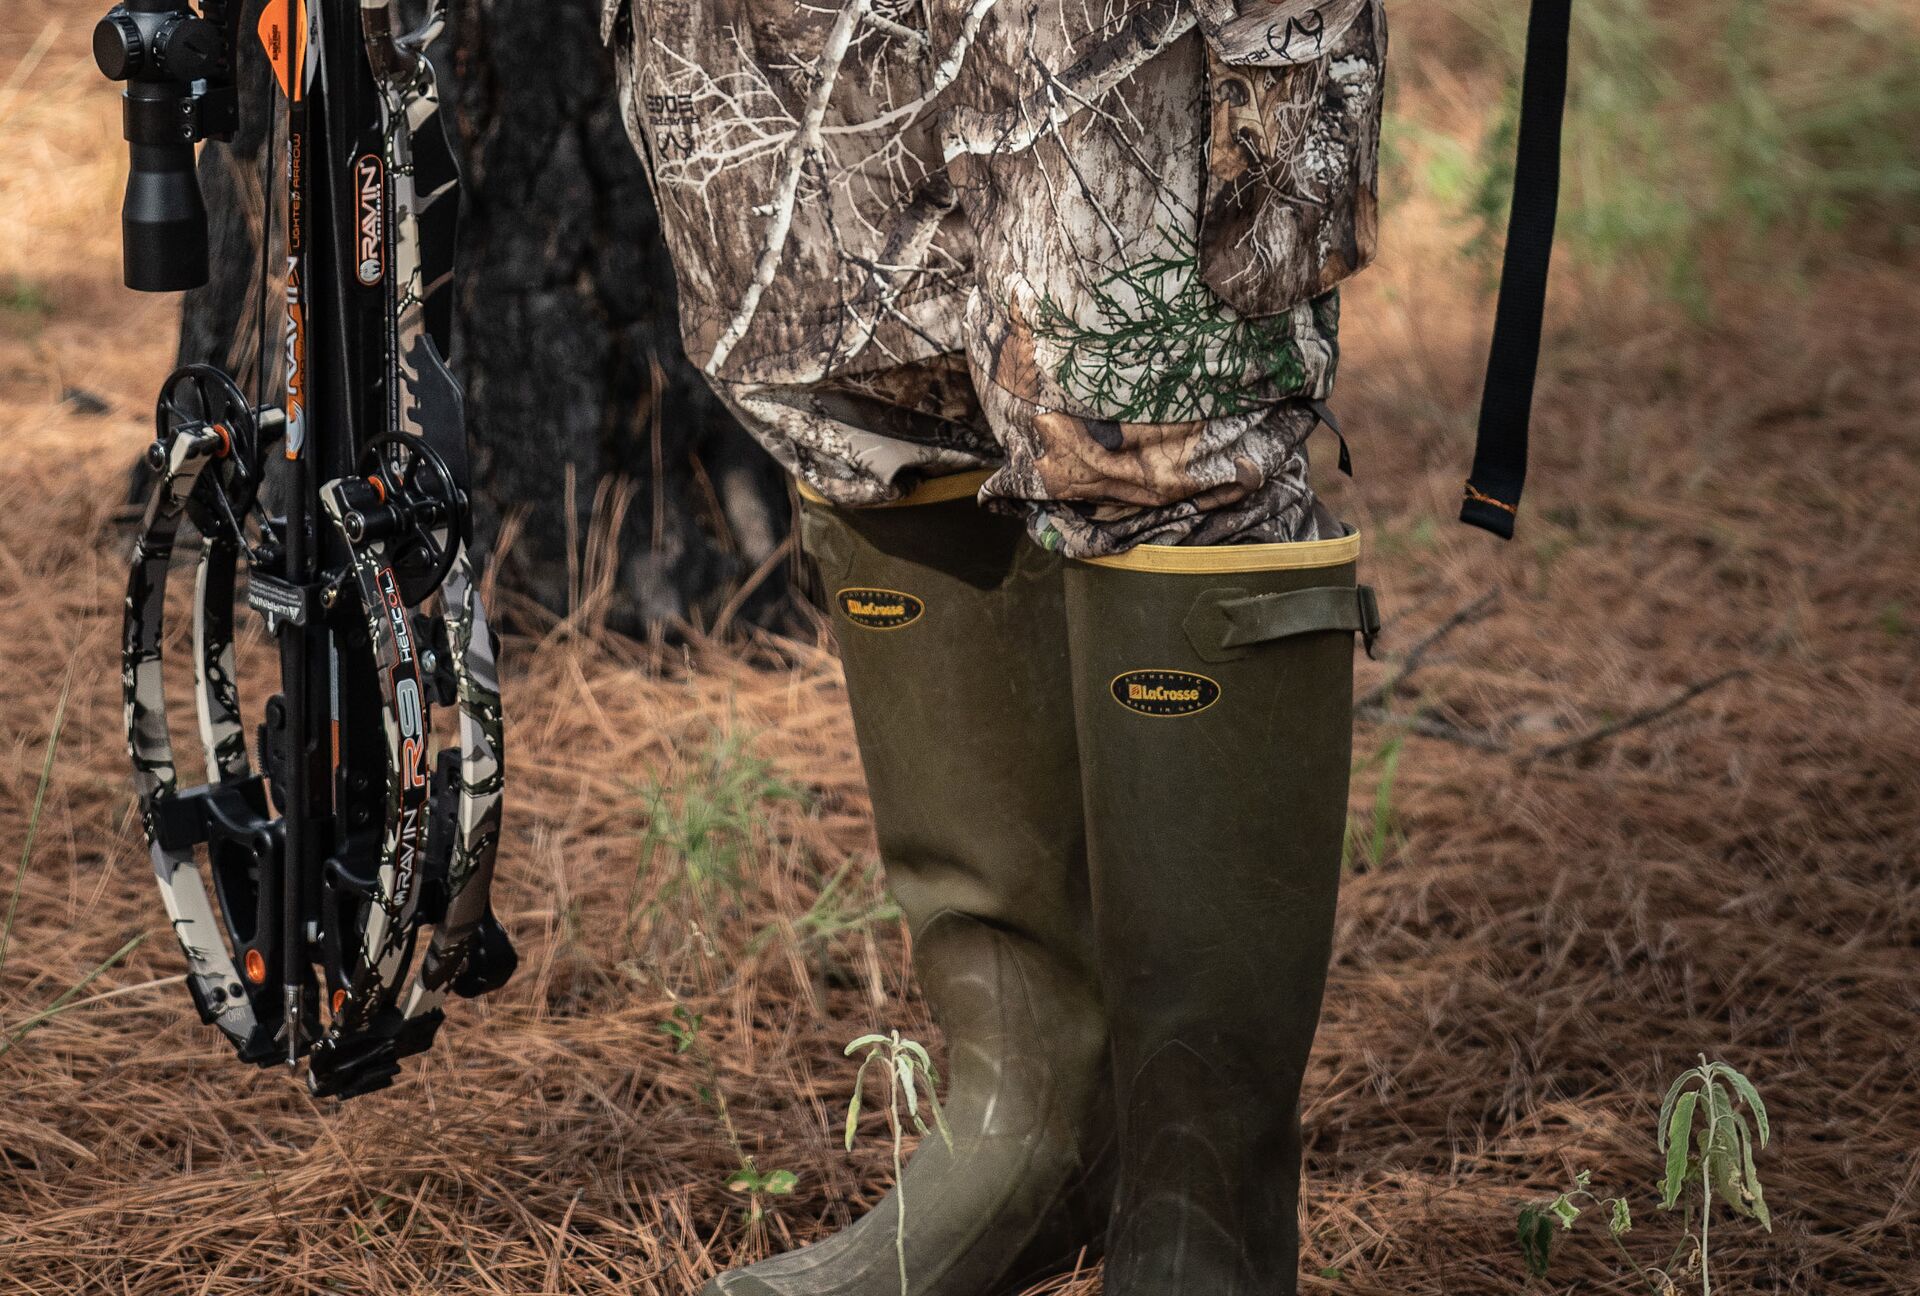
[{"x": 1544, "y": 923}]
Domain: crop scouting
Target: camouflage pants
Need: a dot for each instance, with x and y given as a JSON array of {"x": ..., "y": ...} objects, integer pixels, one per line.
[{"x": 1089, "y": 245}]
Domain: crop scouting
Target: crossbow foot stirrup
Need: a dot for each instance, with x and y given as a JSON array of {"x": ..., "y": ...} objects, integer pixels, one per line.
[{"x": 330, "y": 881}]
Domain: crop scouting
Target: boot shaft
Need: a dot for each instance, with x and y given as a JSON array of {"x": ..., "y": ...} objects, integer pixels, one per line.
[
  {"x": 952, "y": 633},
  {"x": 1213, "y": 691},
  {"x": 953, "y": 637}
]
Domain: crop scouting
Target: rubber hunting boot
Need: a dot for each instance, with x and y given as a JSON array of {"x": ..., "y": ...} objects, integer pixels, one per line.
[
  {"x": 953, "y": 634},
  {"x": 1214, "y": 694}
]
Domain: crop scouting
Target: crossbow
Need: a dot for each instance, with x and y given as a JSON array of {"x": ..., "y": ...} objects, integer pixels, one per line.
[{"x": 340, "y": 825}]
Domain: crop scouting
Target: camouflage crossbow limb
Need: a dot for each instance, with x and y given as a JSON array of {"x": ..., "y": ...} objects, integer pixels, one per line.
[{"x": 302, "y": 876}]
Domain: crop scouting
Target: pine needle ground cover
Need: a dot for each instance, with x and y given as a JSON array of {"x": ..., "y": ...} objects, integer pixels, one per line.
[{"x": 1638, "y": 787}]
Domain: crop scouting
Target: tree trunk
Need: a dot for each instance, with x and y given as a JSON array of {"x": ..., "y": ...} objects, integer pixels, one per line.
[{"x": 585, "y": 415}]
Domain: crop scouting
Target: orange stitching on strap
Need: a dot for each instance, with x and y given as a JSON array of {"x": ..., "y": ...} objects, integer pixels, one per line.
[{"x": 1484, "y": 498}]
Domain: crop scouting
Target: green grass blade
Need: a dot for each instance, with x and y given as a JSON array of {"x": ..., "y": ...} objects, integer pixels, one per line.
[
  {"x": 33, "y": 818},
  {"x": 60, "y": 1005}
]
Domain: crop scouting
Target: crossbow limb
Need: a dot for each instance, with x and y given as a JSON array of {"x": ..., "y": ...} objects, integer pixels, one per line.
[{"x": 300, "y": 890}]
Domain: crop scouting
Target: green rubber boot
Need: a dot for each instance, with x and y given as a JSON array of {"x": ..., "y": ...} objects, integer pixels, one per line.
[
  {"x": 953, "y": 635},
  {"x": 1214, "y": 693}
]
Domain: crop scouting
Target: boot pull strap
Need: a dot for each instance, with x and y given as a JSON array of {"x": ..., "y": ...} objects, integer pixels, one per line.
[{"x": 1224, "y": 623}]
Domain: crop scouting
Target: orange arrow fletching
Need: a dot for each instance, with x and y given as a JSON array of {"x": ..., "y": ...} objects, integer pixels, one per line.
[{"x": 286, "y": 50}]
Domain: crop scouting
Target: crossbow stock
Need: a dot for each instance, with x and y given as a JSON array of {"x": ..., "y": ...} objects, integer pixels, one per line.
[{"x": 302, "y": 876}]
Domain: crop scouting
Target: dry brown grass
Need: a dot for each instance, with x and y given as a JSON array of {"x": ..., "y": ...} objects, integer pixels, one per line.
[{"x": 1541, "y": 946}]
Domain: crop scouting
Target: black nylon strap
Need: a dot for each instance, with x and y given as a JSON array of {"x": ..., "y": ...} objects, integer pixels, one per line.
[
  {"x": 1500, "y": 459},
  {"x": 1322, "y": 412}
]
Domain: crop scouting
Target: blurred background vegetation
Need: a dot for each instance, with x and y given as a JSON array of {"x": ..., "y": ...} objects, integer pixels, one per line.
[{"x": 1705, "y": 143}]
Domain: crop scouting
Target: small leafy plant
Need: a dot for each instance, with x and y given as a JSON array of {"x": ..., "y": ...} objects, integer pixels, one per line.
[
  {"x": 910, "y": 1076},
  {"x": 1711, "y": 1124},
  {"x": 683, "y": 1028},
  {"x": 850, "y": 903},
  {"x": 701, "y": 828},
  {"x": 844, "y": 908}
]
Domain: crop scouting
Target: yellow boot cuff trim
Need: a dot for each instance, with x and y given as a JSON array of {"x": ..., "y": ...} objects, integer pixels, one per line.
[
  {"x": 1203, "y": 559},
  {"x": 936, "y": 491}
]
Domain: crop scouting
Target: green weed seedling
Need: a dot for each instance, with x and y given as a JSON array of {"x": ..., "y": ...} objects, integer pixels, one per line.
[
  {"x": 701, "y": 826},
  {"x": 683, "y": 1028},
  {"x": 848, "y": 905},
  {"x": 1711, "y": 1124},
  {"x": 910, "y": 1076}
]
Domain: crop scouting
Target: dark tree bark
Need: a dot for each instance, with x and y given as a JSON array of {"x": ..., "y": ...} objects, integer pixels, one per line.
[
  {"x": 566, "y": 319},
  {"x": 565, "y": 334}
]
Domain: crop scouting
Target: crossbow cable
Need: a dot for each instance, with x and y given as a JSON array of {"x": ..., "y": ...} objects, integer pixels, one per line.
[{"x": 300, "y": 892}]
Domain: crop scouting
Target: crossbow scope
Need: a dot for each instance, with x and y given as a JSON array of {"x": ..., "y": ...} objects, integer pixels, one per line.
[{"x": 178, "y": 69}]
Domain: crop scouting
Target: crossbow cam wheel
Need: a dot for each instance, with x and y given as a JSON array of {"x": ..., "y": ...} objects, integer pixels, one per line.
[
  {"x": 419, "y": 510},
  {"x": 197, "y": 396}
]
